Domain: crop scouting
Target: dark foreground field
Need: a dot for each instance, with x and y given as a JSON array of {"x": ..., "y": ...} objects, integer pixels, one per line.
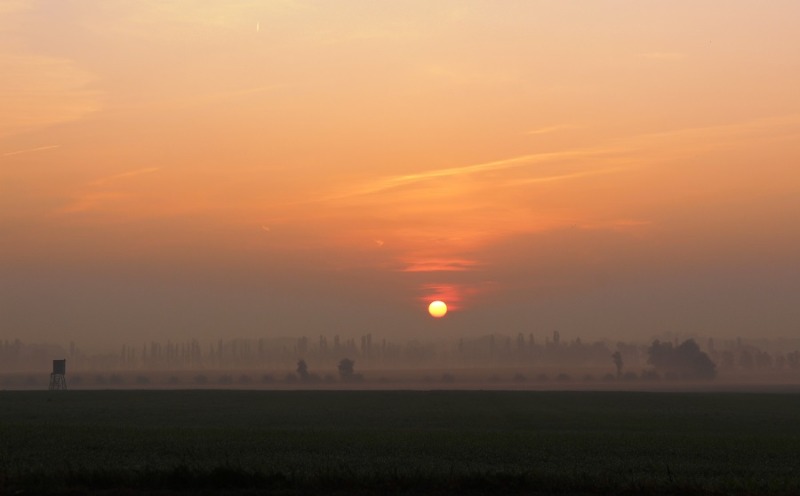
[{"x": 368, "y": 442}]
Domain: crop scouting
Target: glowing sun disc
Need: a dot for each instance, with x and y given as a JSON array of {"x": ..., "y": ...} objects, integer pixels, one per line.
[{"x": 437, "y": 309}]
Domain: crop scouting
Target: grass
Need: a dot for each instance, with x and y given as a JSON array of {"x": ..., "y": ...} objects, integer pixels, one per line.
[{"x": 368, "y": 442}]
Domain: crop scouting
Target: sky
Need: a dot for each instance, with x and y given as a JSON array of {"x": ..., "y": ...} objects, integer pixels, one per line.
[{"x": 202, "y": 169}]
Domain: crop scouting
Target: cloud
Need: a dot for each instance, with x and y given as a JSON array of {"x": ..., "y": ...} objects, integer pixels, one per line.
[
  {"x": 31, "y": 150},
  {"x": 564, "y": 177},
  {"x": 438, "y": 265},
  {"x": 90, "y": 201},
  {"x": 393, "y": 182},
  {"x": 39, "y": 91},
  {"x": 455, "y": 295},
  {"x": 615, "y": 155},
  {"x": 98, "y": 195},
  {"x": 549, "y": 129},
  {"x": 706, "y": 138},
  {"x": 123, "y": 175}
]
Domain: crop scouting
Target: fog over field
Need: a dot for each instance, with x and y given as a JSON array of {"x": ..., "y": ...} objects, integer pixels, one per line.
[{"x": 486, "y": 362}]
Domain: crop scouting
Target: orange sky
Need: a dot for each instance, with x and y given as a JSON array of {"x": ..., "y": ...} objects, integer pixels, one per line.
[{"x": 203, "y": 168}]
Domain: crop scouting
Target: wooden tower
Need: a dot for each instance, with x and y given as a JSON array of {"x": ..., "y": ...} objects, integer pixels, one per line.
[{"x": 58, "y": 379}]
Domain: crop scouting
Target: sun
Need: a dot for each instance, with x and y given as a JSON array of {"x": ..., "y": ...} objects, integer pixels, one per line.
[{"x": 437, "y": 309}]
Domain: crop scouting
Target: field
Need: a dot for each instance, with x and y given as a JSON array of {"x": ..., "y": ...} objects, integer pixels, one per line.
[{"x": 375, "y": 442}]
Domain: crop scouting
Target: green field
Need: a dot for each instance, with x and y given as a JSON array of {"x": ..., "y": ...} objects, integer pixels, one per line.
[{"x": 373, "y": 442}]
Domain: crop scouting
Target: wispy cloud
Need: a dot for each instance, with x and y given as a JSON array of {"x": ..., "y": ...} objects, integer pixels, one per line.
[
  {"x": 438, "y": 265},
  {"x": 393, "y": 182},
  {"x": 706, "y": 138},
  {"x": 31, "y": 150},
  {"x": 97, "y": 194},
  {"x": 90, "y": 201},
  {"x": 616, "y": 155},
  {"x": 456, "y": 296},
  {"x": 549, "y": 129},
  {"x": 564, "y": 177},
  {"x": 38, "y": 91},
  {"x": 123, "y": 175},
  {"x": 451, "y": 294}
]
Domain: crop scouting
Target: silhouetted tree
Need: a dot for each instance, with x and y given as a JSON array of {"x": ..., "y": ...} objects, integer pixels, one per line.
[
  {"x": 686, "y": 361},
  {"x": 346, "y": 368},
  {"x": 617, "y": 358},
  {"x": 302, "y": 370}
]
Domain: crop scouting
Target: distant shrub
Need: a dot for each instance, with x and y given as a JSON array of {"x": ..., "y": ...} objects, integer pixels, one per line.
[
  {"x": 290, "y": 378},
  {"x": 563, "y": 377},
  {"x": 225, "y": 380},
  {"x": 245, "y": 379},
  {"x": 542, "y": 377},
  {"x": 142, "y": 379},
  {"x": 116, "y": 379},
  {"x": 685, "y": 361},
  {"x": 329, "y": 378},
  {"x": 493, "y": 378},
  {"x": 267, "y": 379},
  {"x": 588, "y": 378},
  {"x": 520, "y": 378},
  {"x": 100, "y": 379},
  {"x": 630, "y": 376},
  {"x": 173, "y": 380},
  {"x": 200, "y": 379},
  {"x": 448, "y": 378},
  {"x": 346, "y": 368},
  {"x": 609, "y": 378}
]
